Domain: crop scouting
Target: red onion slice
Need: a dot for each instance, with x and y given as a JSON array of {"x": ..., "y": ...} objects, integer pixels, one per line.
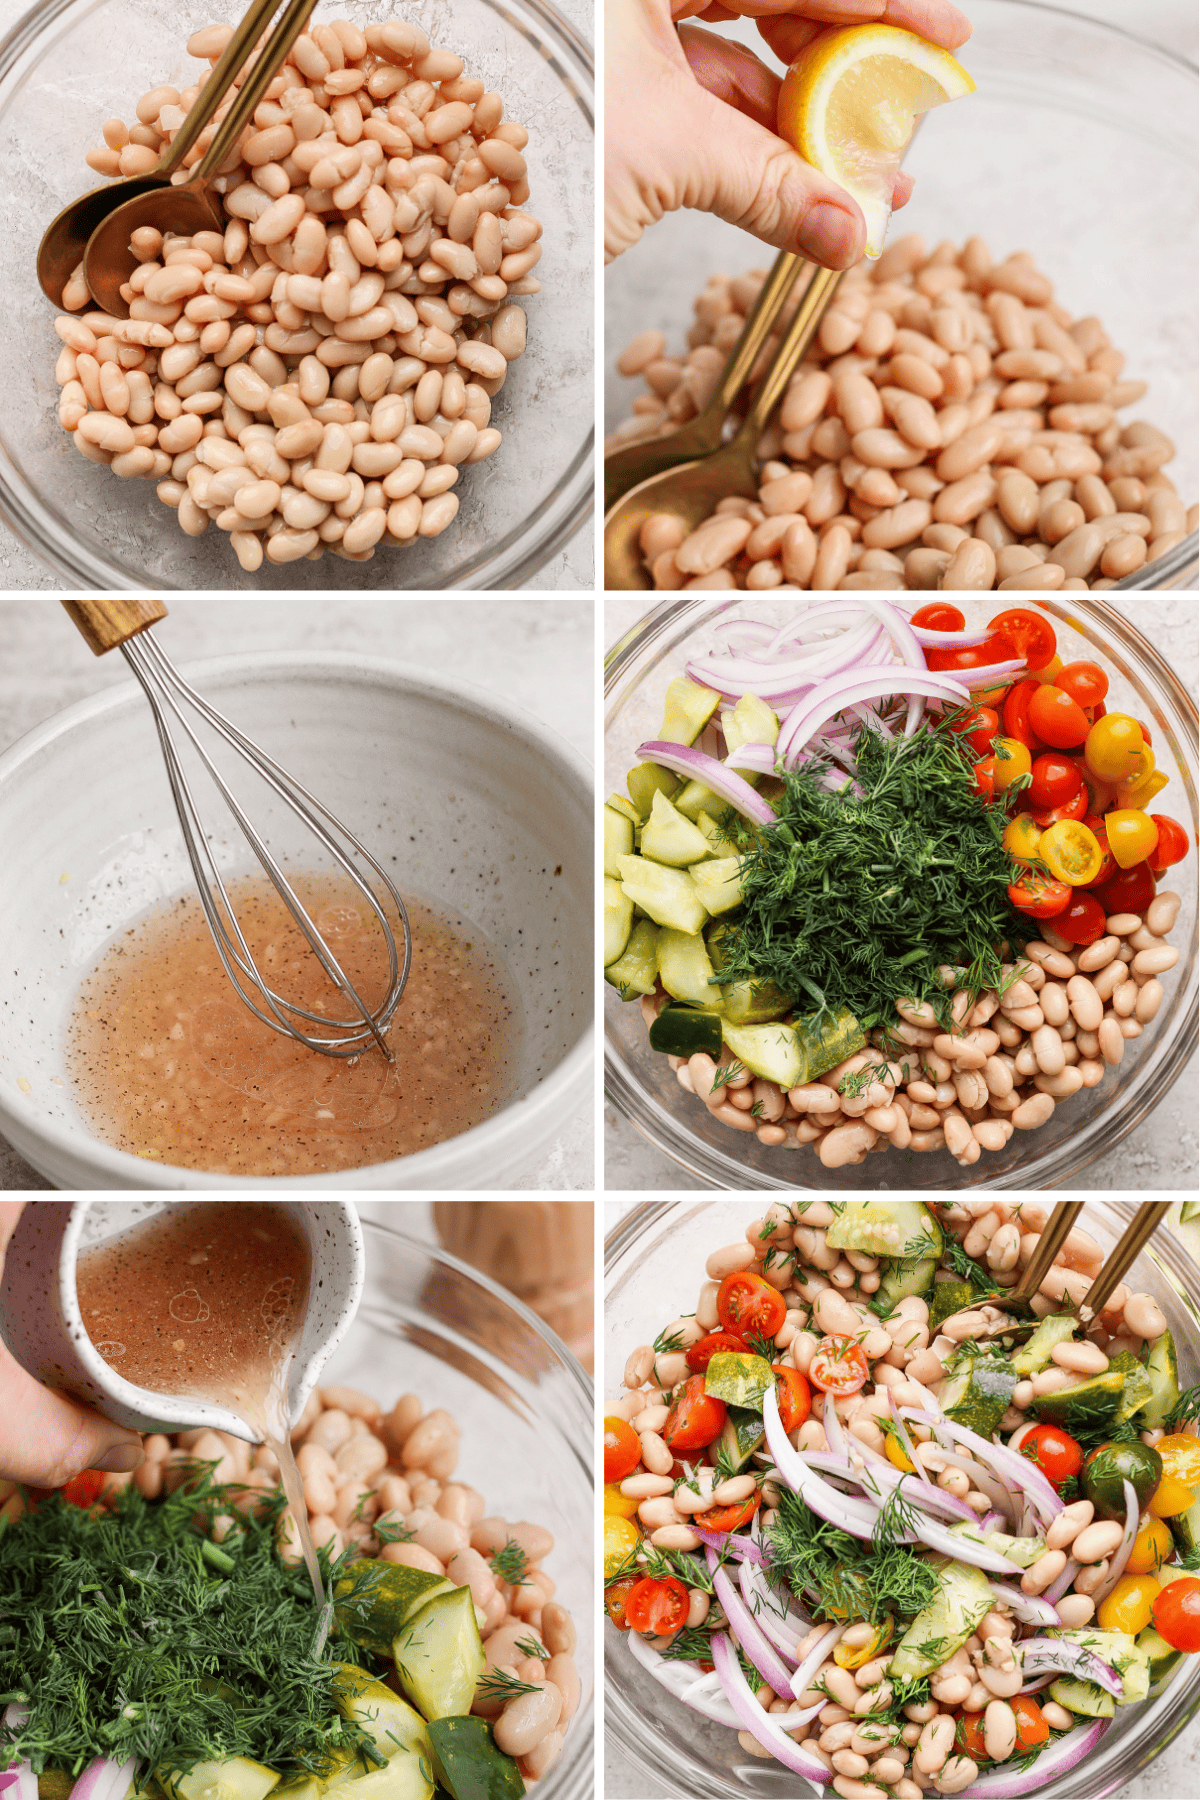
[
  {"x": 992, "y": 674},
  {"x": 762, "y": 1725},
  {"x": 949, "y": 640},
  {"x": 1039, "y": 1653},
  {"x": 1122, "y": 1554},
  {"x": 714, "y": 775},
  {"x": 1031, "y": 1609},
  {"x": 835, "y": 694},
  {"x": 1061, "y": 1583},
  {"x": 767, "y": 1611},
  {"x": 105, "y": 1779},
  {"x": 728, "y": 1543},
  {"x": 1017, "y": 1470},
  {"x": 758, "y": 1648},
  {"x": 678, "y": 1677}
]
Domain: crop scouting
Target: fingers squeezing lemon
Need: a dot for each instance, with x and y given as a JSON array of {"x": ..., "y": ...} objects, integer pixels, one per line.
[{"x": 849, "y": 106}]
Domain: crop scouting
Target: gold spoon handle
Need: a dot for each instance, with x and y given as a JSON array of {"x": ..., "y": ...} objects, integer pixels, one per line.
[
  {"x": 270, "y": 58},
  {"x": 217, "y": 84},
  {"x": 1148, "y": 1217},
  {"x": 1049, "y": 1243},
  {"x": 796, "y": 340},
  {"x": 772, "y": 296}
]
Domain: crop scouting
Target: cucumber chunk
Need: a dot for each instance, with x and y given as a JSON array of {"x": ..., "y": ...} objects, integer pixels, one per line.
[
  {"x": 694, "y": 798},
  {"x": 1138, "y": 1389},
  {"x": 1089, "y": 1406},
  {"x": 894, "y": 1228},
  {"x": 234, "y": 1778},
  {"x": 1162, "y": 1366},
  {"x": 618, "y": 838},
  {"x": 439, "y": 1656},
  {"x": 826, "y": 1045},
  {"x": 741, "y": 1435},
  {"x": 772, "y": 1051},
  {"x": 408, "y": 1776},
  {"x": 751, "y": 721},
  {"x": 1130, "y": 1659},
  {"x": 684, "y": 1031},
  {"x": 1165, "y": 1660},
  {"x": 468, "y": 1763},
  {"x": 719, "y": 883},
  {"x": 1082, "y": 1697},
  {"x": 618, "y": 919},
  {"x": 687, "y": 708},
  {"x": 684, "y": 968},
  {"x": 636, "y": 969},
  {"x": 645, "y": 780},
  {"x": 963, "y": 1598},
  {"x": 739, "y": 1380},
  {"x": 389, "y": 1722},
  {"x": 1034, "y": 1354},
  {"x": 668, "y": 895},
  {"x": 948, "y": 1297},
  {"x": 667, "y": 837},
  {"x": 978, "y": 1393}
]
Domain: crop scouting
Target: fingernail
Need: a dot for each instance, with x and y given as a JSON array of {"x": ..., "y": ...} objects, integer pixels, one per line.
[
  {"x": 122, "y": 1459},
  {"x": 829, "y": 236}
]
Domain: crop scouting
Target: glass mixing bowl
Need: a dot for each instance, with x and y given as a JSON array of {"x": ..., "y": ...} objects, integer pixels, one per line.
[
  {"x": 1079, "y": 146},
  {"x": 70, "y": 64},
  {"x": 430, "y": 1326},
  {"x": 642, "y": 1084},
  {"x": 654, "y": 1263}
]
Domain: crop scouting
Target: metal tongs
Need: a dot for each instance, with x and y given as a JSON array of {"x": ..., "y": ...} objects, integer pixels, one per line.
[{"x": 1148, "y": 1217}]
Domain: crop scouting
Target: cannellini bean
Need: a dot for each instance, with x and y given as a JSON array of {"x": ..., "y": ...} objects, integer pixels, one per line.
[{"x": 1096, "y": 1541}]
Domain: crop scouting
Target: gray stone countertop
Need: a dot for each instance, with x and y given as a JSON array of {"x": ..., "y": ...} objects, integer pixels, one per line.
[
  {"x": 1160, "y": 1154},
  {"x": 539, "y": 653}
]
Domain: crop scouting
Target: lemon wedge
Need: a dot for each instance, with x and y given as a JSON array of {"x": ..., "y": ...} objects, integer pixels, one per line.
[{"x": 849, "y": 105}]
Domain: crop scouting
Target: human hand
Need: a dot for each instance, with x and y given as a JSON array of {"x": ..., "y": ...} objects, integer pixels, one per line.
[
  {"x": 47, "y": 1437},
  {"x": 690, "y": 120}
]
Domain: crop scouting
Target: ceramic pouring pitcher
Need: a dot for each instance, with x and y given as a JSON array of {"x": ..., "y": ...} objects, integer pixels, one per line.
[{"x": 41, "y": 1323}]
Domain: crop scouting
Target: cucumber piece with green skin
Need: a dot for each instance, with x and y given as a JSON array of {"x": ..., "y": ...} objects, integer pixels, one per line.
[
  {"x": 1034, "y": 1354},
  {"x": 751, "y": 721},
  {"x": 407, "y": 1776},
  {"x": 1024, "y": 1551},
  {"x": 892, "y": 1228},
  {"x": 232, "y": 1778},
  {"x": 740, "y": 1380},
  {"x": 745, "y": 1002},
  {"x": 635, "y": 970},
  {"x": 1165, "y": 1660},
  {"x": 620, "y": 803},
  {"x": 389, "y": 1722},
  {"x": 1120, "y": 1651},
  {"x": 715, "y": 836},
  {"x": 686, "y": 1031},
  {"x": 1162, "y": 1366},
  {"x": 618, "y": 838},
  {"x": 1189, "y": 1210},
  {"x": 963, "y": 1597},
  {"x": 668, "y": 895},
  {"x": 694, "y": 799},
  {"x": 645, "y": 780},
  {"x": 687, "y": 708},
  {"x": 719, "y": 883},
  {"x": 741, "y": 1435},
  {"x": 684, "y": 968},
  {"x": 618, "y": 920},
  {"x": 1185, "y": 1528},
  {"x": 772, "y": 1051},
  {"x": 667, "y": 837},
  {"x": 1082, "y": 1697},
  {"x": 1089, "y": 1406},
  {"x": 947, "y": 1298},
  {"x": 439, "y": 1656},
  {"x": 978, "y": 1393},
  {"x": 468, "y": 1763},
  {"x": 824, "y": 1046},
  {"x": 900, "y": 1280},
  {"x": 1138, "y": 1389}
]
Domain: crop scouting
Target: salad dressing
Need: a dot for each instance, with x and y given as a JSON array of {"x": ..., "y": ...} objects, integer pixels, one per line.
[{"x": 208, "y": 1300}]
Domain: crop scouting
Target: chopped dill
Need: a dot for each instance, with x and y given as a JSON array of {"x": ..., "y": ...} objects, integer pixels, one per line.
[
  {"x": 510, "y": 1563},
  {"x": 1186, "y": 1410},
  {"x": 666, "y": 1342},
  {"x": 498, "y": 1684},
  {"x": 843, "y": 1577},
  {"x": 966, "y": 1268},
  {"x": 530, "y": 1647},
  {"x": 727, "y": 1072},
  {"x": 692, "y": 1644}
]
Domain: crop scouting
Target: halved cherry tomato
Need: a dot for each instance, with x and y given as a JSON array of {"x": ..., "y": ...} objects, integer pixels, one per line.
[
  {"x": 974, "y": 656},
  {"x": 715, "y": 1344},
  {"x": 1058, "y": 720},
  {"x": 1010, "y": 761},
  {"x": 1015, "y": 713},
  {"x": 1032, "y": 1728},
  {"x": 839, "y": 1366},
  {"x": 657, "y": 1606},
  {"x": 1129, "y": 890},
  {"x": 731, "y": 1517},
  {"x": 968, "y": 1736},
  {"x": 1141, "y": 792},
  {"x": 1055, "y": 1452},
  {"x": 1172, "y": 845},
  {"x": 1054, "y": 779},
  {"x": 616, "y": 1596},
  {"x": 983, "y": 781},
  {"x": 1132, "y": 835},
  {"x": 1084, "y": 920},
  {"x": 695, "y": 1418},
  {"x": 1108, "y": 867},
  {"x": 746, "y": 1303},
  {"x": 622, "y": 1452},
  {"x": 1177, "y": 1614},
  {"x": 978, "y": 728},
  {"x": 1070, "y": 809},
  {"x": 1030, "y": 635},
  {"x": 1086, "y": 682},
  {"x": 1113, "y": 746},
  {"x": 84, "y": 1489},
  {"x": 1070, "y": 852},
  {"x": 938, "y": 616},
  {"x": 1039, "y": 896},
  {"x": 793, "y": 1394}
]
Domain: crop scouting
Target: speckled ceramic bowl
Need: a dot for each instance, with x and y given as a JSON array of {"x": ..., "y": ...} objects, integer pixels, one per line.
[
  {"x": 41, "y": 1323},
  {"x": 479, "y": 809}
]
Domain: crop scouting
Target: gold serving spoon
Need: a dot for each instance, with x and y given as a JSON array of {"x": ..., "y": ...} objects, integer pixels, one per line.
[{"x": 187, "y": 207}]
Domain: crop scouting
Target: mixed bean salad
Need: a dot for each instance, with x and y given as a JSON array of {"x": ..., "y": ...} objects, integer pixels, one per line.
[
  {"x": 895, "y": 1537},
  {"x": 886, "y": 881},
  {"x": 160, "y": 1637}
]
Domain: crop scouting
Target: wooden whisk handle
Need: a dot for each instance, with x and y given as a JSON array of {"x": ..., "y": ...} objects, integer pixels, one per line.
[{"x": 104, "y": 624}]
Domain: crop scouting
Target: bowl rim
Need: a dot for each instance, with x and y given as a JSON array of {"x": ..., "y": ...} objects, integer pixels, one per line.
[
  {"x": 629, "y": 1097},
  {"x": 502, "y": 563},
  {"x": 440, "y": 1164}
]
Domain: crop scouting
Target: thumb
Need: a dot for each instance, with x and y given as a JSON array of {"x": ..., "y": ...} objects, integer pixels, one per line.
[{"x": 48, "y": 1437}]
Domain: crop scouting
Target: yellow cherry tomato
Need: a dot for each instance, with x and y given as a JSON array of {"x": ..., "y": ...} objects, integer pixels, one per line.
[
  {"x": 1021, "y": 837},
  {"x": 1151, "y": 1547},
  {"x": 894, "y": 1451},
  {"x": 1047, "y": 673},
  {"x": 1180, "y": 1453},
  {"x": 1132, "y": 835},
  {"x": 1170, "y": 1498},
  {"x": 1071, "y": 852},
  {"x": 853, "y": 1657},
  {"x": 1140, "y": 793},
  {"x": 1127, "y": 1608},
  {"x": 1012, "y": 760},
  {"x": 618, "y": 1505},
  {"x": 1112, "y": 747},
  {"x": 620, "y": 1537}
]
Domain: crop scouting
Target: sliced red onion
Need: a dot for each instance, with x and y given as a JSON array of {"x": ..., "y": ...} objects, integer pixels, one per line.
[
  {"x": 678, "y": 1678},
  {"x": 908, "y": 648},
  {"x": 21, "y": 1778},
  {"x": 714, "y": 775},
  {"x": 728, "y": 1543},
  {"x": 949, "y": 640},
  {"x": 992, "y": 674},
  {"x": 1056, "y": 1759},
  {"x": 821, "y": 615},
  {"x": 1031, "y": 1609},
  {"x": 762, "y": 1725},
  {"x": 858, "y": 1518},
  {"x": 760, "y": 759},
  {"x": 758, "y": 1647},
  {"x": 931, "y": 1499},
  {"x": 750, "y": 673},
  {"x": 984, "y": 1481},
  {"x": 1021, "y": 1433},
  {"x": 815, "y": 1658},
  {"x": 1039, "y": 1653},
  {"x": 757, "y": 630},
  {"x": 1061, "y": 1583},
  {"x": 767, "y": 1612},
  {"x": 1124, "y": 1548},
  {"x": 831, "y": 1425},
  {"x": 1018, "y": 1470},
  {"x": 991, "y": 1521},
  {"x": 906, "y": 1443},
  {"x": 834, "y": 695},
  {"x": 105, "y": 1779},
  {"x": 1035, "y": 1687}
]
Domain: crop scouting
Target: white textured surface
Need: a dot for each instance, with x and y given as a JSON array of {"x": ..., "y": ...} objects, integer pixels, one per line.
[
  {"x": 1161, "y": 1153},
  {"x": 537, "y": 652}
]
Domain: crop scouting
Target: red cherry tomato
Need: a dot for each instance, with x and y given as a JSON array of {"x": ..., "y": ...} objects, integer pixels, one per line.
[
  {"x": 717, "y": 1343},
  {"x": 1129, "y": 890},
  {"x": 1172, "y": 846},
  {"x": 1015, "y": 713},
  {"x": 657, "y": 1606},
  {"x": 616, "y": 1596},
  {"x": 977, "y": 729},
  {"x": 695, "y": 1418},
  {"x": 1032, "y": 1728},
  {"x": 747, "y": 1304},
  {"x": 731, "y": 1517},
  {"x": 839, "y": 1366},
  {"x": 1057, "y": 719},
  {"x": 1075, "y": 808},
  {"x": 971, "y": 656},
  {"x": 1176, "y": 1613},
  {"x": 622, "y": 1451},
  {"x": 1101, "y": 794},
  {"x": 1055, "y": 1452},
  {"x": 938, "y": 616},
  {"x": 85, "y": 1489},
  {"x": 983, "y": 781},
  {"x": 1030, "y": 635},
  {"x": 1053, "y": 780},
  {"x": 1086, "y": 682},
  {"x": 1038, "y": 895},
  {"x": 1084, "y": 920},
  {"x": 793, "y": 1394}
]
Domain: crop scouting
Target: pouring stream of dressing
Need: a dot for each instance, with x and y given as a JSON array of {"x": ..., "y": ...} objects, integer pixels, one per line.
[{"x": 208, "y": 1299}]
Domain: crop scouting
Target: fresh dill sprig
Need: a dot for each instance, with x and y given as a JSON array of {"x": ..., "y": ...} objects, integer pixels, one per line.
[
  {"x": 389, "y": 1532},
  {"x": 762, "y": 1346},
  {"x": 727, "y": 1072},
  {"x": 666, "y": 1342},
  {"x": 841, "y": 1576},
  {"x": 966, "y": 1268},
  {"x": 1185, "y": 1411},
  {"x": 651, "y": 1560},
  {"x": 530, "y": 1647},
  {"x": 510, "y": 1563},
  {"x": 692, "y": 1644},
  {"x": 498, "y": 1684}
]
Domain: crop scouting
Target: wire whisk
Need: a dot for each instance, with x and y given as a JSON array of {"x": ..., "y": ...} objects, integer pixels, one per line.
[{"x": 124, "y": 624}]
